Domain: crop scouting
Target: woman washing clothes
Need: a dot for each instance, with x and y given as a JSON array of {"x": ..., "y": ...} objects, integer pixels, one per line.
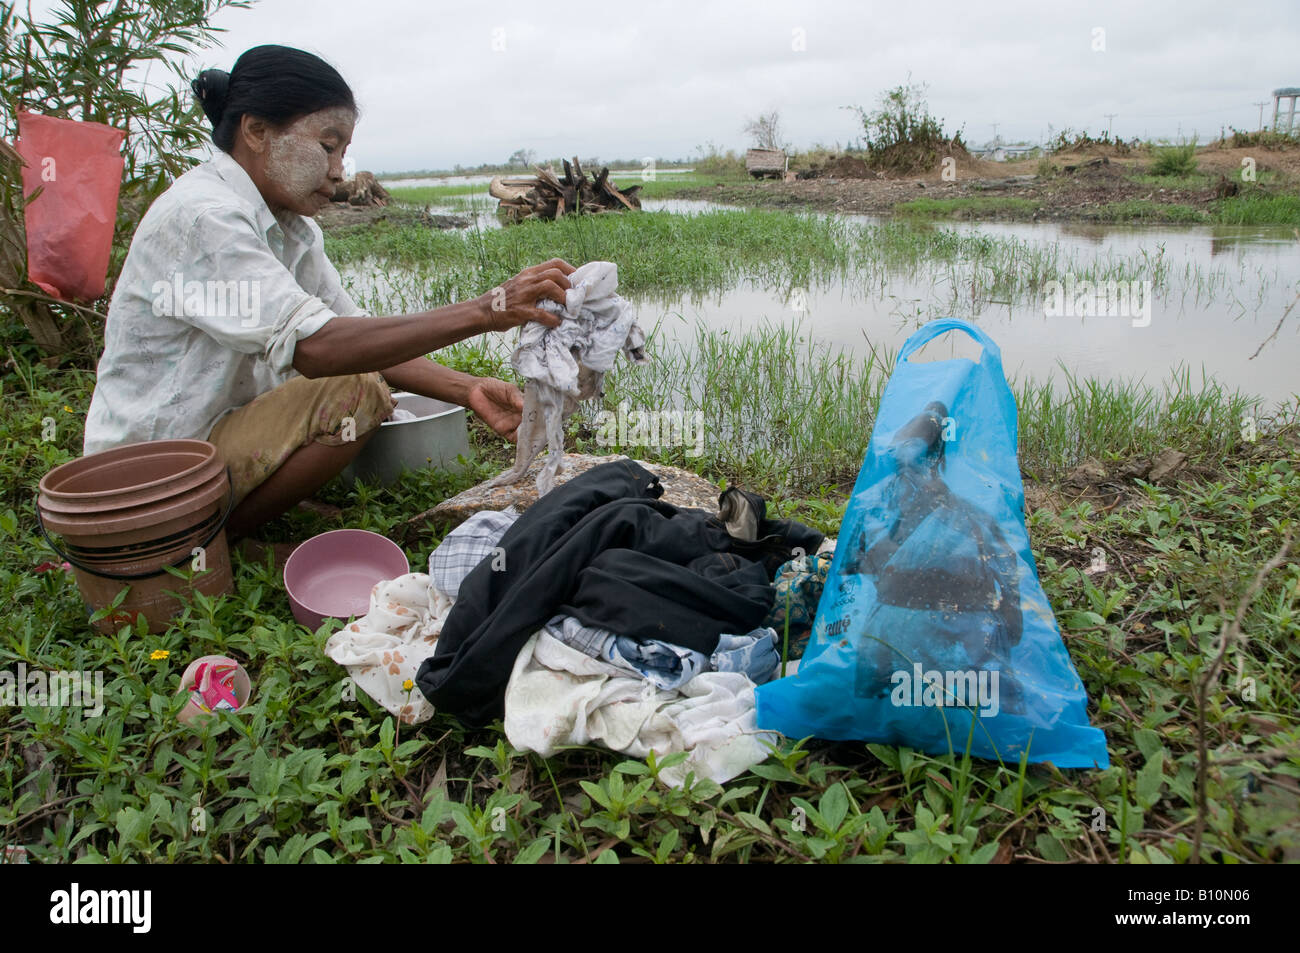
[{"x": 229, "y": 324}]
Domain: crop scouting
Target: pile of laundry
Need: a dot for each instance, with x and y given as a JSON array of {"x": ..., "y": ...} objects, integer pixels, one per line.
[{"x": 601, "y": 615}]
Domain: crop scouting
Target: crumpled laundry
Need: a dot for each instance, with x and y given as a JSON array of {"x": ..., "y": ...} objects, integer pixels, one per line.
[
  {"x": 562, "y": 695},
  {"x": 567, "y": 364},
  {"x": 799, "y": 584},
  {"x": 665, "y": 665},
  {"x": 558, "y": 696},
  {"x": 466, "y": 546},
  {"x": 384, "y": 649},
  {"x": 401, "y": 413},
  {"x": 605, "y": 549},
  {"x": 595, "y": 325}
]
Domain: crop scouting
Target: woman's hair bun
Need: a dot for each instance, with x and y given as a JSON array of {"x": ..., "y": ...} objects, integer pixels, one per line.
[{"x": 211, "y": 87}]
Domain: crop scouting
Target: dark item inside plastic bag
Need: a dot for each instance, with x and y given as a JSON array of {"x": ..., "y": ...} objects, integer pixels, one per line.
[
  {"x": 78, "y": 168},
  {"x": 933, "y": 627}
]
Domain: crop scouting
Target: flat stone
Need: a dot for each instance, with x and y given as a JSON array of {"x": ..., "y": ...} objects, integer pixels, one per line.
[
  {"x": 1088, "y": 473},
  {"x": 1165, "y": 464},
  {"x": 681, "y": 488},
  {"x": 1136, "y": 469}
]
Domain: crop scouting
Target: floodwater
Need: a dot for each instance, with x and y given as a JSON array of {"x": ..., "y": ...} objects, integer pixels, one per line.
[{"x": 1226, "y": 290}]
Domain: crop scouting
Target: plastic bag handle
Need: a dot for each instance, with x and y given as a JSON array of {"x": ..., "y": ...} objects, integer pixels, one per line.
[{"x": 941, "y": 325}]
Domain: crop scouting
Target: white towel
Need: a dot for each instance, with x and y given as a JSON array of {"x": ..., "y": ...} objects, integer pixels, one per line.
[{"x": 559, "y": 696}]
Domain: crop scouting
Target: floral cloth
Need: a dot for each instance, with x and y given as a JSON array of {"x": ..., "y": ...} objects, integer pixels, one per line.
[{"x": 799, "y": 584}]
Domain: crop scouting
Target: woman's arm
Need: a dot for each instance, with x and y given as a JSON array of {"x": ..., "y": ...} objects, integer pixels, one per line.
[
  {"x": 345, "y": 345},
  {"x": 430, "y": 379},
  {"x": 359, "y": 345},
  {"x": 501, "y": 405}
]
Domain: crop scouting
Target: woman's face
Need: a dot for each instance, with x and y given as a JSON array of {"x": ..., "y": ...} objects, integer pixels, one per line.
[{"x": 303, "y": 161}]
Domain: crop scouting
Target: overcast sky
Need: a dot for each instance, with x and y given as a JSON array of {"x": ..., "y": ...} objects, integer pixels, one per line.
[{"x": 465, "y": 83}]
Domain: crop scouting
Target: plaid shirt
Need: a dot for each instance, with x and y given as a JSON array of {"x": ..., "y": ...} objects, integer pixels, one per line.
[{"x": 466, "y": 546}]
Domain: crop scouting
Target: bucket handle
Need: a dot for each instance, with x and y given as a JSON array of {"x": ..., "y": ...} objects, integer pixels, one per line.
[{"x": 221, "y": 524}]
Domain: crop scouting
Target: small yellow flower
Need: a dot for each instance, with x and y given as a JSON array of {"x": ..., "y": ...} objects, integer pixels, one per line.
[
  {"x": 158, "y": 654},
  {"x": 67, "y": 409},
  {"x": 408, "y": 685}
]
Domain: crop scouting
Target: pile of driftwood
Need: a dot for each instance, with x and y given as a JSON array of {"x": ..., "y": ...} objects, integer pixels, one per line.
[
  {"x": 549, "y": 196},
  {"x": 362, "y": 189}
]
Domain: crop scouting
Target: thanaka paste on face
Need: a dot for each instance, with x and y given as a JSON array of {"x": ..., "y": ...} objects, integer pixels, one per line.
[{"x": 296, "y": 161}]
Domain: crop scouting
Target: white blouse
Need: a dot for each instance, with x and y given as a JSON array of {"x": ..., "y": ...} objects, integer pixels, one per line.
[{"x": 215, "y": 293}]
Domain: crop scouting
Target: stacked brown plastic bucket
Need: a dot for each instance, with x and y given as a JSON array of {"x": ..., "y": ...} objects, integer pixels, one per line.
[{"x": 126, "y": 513}]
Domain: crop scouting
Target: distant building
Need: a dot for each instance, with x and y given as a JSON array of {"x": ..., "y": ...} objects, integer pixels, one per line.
[
  {"x": 1289, "y": 93},
  {"x": 1001, "y": 152}
]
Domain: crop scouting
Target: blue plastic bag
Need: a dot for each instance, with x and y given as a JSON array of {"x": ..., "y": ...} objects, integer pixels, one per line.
[{"x": 933, "y": 627}]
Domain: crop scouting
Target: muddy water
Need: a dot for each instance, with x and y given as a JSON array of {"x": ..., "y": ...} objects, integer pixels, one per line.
[{"x": 1227, "y": 289}]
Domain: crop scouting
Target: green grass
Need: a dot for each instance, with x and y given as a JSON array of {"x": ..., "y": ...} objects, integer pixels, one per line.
[
  {"x": 1144, "y": 210},
  {"x": 435, "y": 194},
  {"x": 968, "y": 207},
  {"x": 1071, "y": 418},
  {"x": 302, "y": 774},
  {"x": 1248, "y": 209},
  {"x": 1179, "y": 161},
  {"x": 1255, "y": 209},
  {"x": 656, "y": 251},
  {"x": 668, "y": 186},
  {"x": 1201, "y": 180}
]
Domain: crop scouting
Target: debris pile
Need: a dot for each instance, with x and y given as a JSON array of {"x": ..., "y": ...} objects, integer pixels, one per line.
[
  {"x": 362, "y": 189},
  {"x": 549, "y": 196}
]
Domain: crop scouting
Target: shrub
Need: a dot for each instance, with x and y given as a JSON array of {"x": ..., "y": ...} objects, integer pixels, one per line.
[
  {"x": 902, "y": 136},
  {"x": 1175, "y": 160}
]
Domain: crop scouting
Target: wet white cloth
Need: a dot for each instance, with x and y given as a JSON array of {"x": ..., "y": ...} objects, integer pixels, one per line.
[
  {"x": 558, "y": 696},
  {"x": 215, "y": 294},
  {"x": 596, "y": 324},
  {"x": 383, "y": 650},
  {"x": 567, "y": 364}
]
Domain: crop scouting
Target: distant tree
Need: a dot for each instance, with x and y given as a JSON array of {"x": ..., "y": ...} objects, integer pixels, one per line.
[
  {"x": 521, "y": 157},
  {"x": 765, "y": 130}
]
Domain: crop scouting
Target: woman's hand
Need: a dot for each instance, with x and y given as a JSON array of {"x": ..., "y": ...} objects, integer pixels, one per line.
[
  {"x": 515, "y": 302},
  {"x": 501, "y": 405}
]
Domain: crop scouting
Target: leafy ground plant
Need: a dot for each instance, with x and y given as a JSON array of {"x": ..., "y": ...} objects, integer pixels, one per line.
[{"x": 1204, "y": 743}]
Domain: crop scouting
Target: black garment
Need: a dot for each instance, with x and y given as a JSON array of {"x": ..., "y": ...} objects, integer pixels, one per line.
[{"x": 605, "y": 549}]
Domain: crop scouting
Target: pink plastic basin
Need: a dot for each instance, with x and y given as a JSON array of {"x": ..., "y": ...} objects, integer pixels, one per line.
[{"x": 331, "y": 575}]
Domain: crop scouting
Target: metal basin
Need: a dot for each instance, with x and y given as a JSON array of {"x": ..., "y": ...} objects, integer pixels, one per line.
[{"x": 435, "y": 438}]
